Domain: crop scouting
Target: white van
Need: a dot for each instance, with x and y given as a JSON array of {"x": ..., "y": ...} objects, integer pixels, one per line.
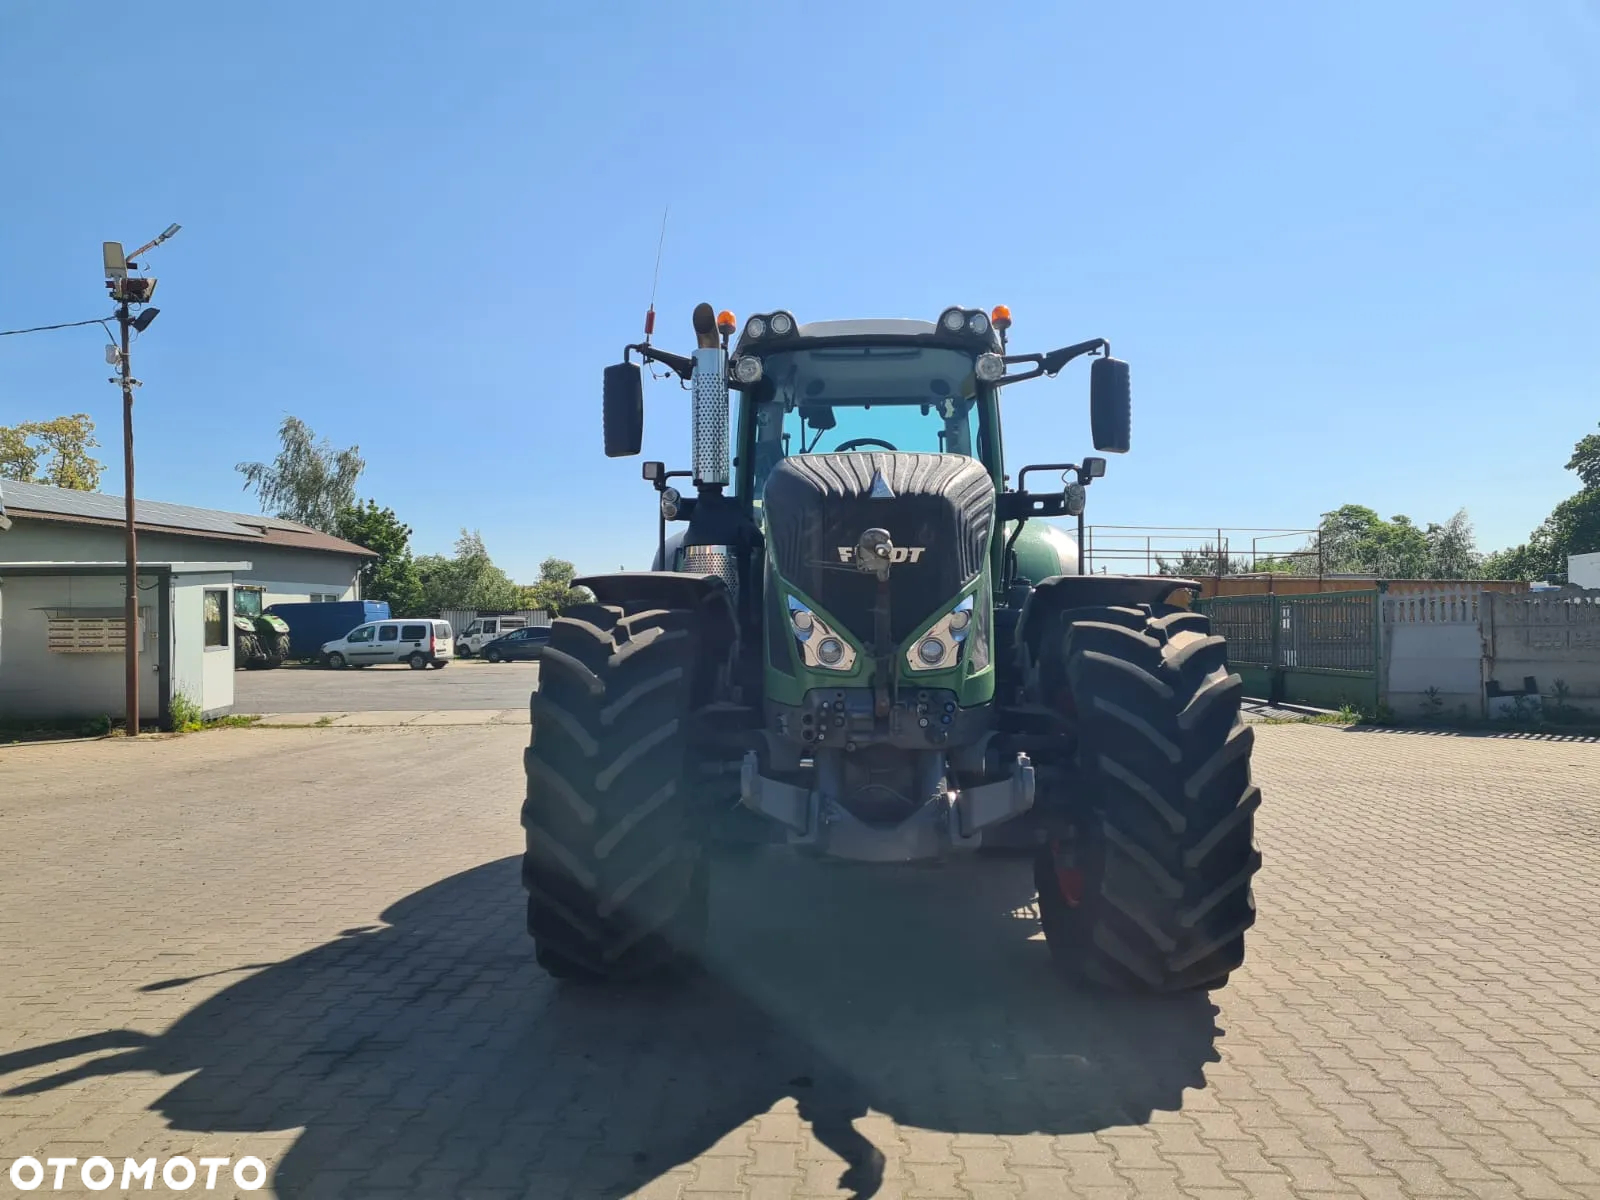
[
  {"x": 484, "y": 630},
  {"x": 422, "y": 643}
]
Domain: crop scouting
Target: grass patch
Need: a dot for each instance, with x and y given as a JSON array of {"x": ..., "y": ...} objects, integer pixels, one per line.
[
  {"x": 1345, "y": 716},
  {"x": 185, "y": 719},
  {"x": 232, "y": 721},
  {"x": 54, "y": 730}
]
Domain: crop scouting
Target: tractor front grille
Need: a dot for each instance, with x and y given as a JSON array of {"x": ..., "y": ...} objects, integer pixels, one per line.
[{"x": 938, "y": 509}]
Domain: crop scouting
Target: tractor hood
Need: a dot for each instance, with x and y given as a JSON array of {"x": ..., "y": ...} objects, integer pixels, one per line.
[{"x": 937, "y": 508}]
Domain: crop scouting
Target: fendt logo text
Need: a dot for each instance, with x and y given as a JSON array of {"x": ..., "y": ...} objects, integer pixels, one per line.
[
  {"x": 97, "y": 1174},
  {"x": 896, "y": 553}
]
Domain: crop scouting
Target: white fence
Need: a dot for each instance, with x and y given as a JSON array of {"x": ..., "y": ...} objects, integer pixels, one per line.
[{"x": 1450, "y": 649}]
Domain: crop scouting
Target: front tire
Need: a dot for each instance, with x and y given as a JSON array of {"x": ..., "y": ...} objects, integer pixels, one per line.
[
  {"x": 1152, "y": 893},
  {"x": 336, "y": 661},
  {"x": 615, "y": 866},
  {"x": 492, "y": 654}
]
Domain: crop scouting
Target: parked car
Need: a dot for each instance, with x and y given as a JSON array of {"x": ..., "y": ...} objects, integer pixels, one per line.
[
  {"x": 484, "y": 630},
  {"x": 422, "y": 643},
  {"x": 519, "y": 644}
]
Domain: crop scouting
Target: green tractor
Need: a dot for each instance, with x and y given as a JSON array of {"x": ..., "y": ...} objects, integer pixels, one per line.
[
  {"x": 260, "y": 642},
  {"x": 866, "y": 646}
]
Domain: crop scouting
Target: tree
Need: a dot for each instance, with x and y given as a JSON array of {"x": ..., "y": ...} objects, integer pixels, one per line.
[
  {"x": 61, "y": 445},
  {"x": 1573, "y": 527},
  {"x": 1585, "y": 460},
  {"x": 392, "y": 576},
  {"x": 309, "y": 482},
  {"x": 1453, "y": 550},
  {"x": 1205, "y": 561},
  {"x": 468, "y": 580},
  {"x": 554, "y": 592},
  {"x": 1354, "y": 540}
]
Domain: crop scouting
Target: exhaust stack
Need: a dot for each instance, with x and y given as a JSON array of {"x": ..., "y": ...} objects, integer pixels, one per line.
[{"x": 710, "y": 413}]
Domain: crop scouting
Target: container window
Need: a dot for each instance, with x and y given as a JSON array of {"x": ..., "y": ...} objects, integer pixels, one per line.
[{"x": 216, "y": 617}]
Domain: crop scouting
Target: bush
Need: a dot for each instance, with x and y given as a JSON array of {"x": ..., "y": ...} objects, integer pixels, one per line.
[{"x": 186, "y": 716}]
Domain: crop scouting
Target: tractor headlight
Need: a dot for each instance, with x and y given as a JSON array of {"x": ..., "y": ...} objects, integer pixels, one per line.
[
  {"x": 953, "y": 320},
  {"x": 940, "y": 647},
  {"x": 782, "y": 324},
  {"x": 755, "y": 327},
  {"x": 670, "y": 499},
  {"x": 747, "y": 369},
  {"x": 989, "y": 368},
  {"x": 978, "y": 323},
  {"x": 819, "y": 645}
]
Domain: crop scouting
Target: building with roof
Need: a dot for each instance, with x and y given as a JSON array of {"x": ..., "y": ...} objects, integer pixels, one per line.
[
  {"x": 288, "y": 561},
  {"x": 63, "y": 595}
]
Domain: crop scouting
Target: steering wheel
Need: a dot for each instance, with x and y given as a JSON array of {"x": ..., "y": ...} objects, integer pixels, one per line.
[{"x": 853, "y": 443}]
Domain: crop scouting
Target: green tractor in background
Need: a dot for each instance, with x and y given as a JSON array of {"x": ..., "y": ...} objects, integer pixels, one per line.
[
  {"x": 867, "y": 647},
  {"x": 259, "y": 642}
]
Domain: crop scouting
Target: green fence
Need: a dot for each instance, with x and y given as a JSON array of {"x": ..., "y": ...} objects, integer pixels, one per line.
[{"x": 1320, "y": 649}]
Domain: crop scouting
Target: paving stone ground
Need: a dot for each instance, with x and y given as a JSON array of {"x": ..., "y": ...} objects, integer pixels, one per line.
[{"x": 306, "y": 945}]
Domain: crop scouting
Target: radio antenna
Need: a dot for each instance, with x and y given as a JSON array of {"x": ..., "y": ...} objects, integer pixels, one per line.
[{"x": 650, "y": 317}]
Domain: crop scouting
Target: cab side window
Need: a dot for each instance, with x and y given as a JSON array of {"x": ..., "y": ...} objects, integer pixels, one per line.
[{"x": 364, "y": 634}]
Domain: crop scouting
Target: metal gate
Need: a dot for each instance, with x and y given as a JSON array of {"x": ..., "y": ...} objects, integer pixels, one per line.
[{"x": 1320, "y": 649}]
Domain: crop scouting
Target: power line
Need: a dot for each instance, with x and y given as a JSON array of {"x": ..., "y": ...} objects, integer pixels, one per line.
[{"x": 63, "y": 325}]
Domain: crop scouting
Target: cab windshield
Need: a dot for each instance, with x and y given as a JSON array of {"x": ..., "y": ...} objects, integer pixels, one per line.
[{"x": 862, "y": 398}]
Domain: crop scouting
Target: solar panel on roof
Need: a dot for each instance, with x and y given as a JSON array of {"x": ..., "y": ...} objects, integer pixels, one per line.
[{"x": 65, "y": 502}]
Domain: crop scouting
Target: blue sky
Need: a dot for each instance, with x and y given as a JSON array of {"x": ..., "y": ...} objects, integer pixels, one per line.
[{"x": 1352, "y": 251}]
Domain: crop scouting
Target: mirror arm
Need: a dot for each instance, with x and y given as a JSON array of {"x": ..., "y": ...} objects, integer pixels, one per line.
[
  {"x": 1056, "y": 359},
  {"x": 1051, "y": 363},
  {"x": 1023, "y": 474},
  {"x": 677, "y": 363},
  {"x": 1018, "y": 378}
]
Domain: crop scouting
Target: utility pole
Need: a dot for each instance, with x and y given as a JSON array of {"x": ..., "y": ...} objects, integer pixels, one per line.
[
  {"x": 127, "y": 290},
  {"x": 130, "y": 616}
]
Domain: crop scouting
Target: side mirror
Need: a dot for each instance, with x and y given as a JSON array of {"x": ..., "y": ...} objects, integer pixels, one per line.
[
  {"x": 1110, "y": 405},
  {"x": 1094, "y": 468},
  {"x": 653, "y": 471},
  {"x": 1073, "y": 499},
  {"x": 624, "y": 410}
]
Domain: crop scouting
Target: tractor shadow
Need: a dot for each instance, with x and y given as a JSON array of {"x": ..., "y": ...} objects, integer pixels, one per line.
[{"x": 430, "y": 1056}]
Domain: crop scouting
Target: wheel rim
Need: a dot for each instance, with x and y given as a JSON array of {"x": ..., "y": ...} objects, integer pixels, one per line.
[{"x": 336, "y": 661}]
